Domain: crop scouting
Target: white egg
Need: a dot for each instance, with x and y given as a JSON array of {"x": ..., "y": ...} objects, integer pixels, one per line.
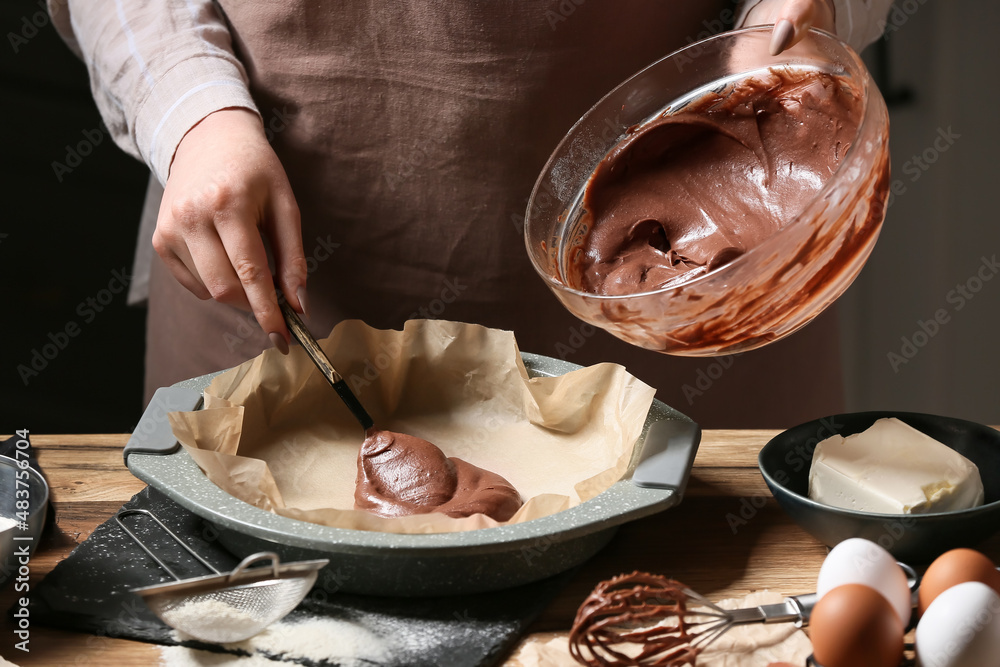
[
  {"x": 961, "y": 628},
  {"x": 859, "y": 561}
]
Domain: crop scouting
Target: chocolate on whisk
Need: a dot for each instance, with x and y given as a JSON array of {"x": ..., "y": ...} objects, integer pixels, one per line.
[{"x": 642, "y": 610}]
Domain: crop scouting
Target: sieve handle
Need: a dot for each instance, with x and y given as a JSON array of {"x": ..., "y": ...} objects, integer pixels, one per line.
[
  {"x": 149, "y": 552},
  {"x": 254, "y": 558}
]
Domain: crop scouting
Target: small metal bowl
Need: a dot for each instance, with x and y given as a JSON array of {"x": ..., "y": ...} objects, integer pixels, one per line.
[
  {"x": 914, "y": 538},
  {"x": 20, "y": 483}
]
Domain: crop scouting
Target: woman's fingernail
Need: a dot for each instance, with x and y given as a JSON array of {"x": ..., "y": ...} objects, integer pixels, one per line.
[
  {"x": 279, "y": 342},
  {"x": 781, "y": 36},
  {"x": 301, "y": 294}
]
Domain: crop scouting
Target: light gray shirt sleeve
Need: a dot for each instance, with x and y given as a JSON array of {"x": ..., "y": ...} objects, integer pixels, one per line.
[{"x": 156, "y": 68}]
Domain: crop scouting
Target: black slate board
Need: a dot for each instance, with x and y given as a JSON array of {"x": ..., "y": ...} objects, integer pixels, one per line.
[{"x": 89, "y": 592}]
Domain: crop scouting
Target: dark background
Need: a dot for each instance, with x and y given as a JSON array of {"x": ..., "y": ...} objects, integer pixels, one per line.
[{"x": 60, "y": 243}]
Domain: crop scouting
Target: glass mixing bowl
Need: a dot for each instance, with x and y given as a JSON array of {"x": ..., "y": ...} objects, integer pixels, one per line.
[{"x": 774, "y": 288}]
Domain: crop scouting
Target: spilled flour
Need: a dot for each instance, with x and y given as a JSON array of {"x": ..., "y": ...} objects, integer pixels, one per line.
[{"x": 319, "y": 640}]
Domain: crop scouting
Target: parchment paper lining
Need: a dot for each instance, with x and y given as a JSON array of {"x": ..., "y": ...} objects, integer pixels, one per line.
[{"x": 274, "y": 433}]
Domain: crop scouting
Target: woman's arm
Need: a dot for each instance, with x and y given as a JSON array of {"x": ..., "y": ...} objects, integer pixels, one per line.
[
  {"x": 156, "y": 69},
  {"x": 173, "y": 94}
]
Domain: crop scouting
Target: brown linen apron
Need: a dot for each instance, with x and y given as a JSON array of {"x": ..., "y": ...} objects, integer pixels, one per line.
[{"x": 412, "y": 133}]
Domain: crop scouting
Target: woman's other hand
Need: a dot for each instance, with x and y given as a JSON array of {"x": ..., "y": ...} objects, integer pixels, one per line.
[
  {"x": 791, "y": 19},
  {"x": 225, "y": 194}
]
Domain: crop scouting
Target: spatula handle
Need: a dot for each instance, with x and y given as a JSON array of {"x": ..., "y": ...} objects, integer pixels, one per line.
[{"x": 315, "y": 352}]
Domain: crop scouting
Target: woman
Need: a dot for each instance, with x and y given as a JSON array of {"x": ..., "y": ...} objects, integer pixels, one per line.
[{"x": 383, "y": 153}]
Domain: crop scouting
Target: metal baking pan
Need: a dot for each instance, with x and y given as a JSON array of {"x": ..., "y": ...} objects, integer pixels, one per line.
[{"x": 428, "y": 564}]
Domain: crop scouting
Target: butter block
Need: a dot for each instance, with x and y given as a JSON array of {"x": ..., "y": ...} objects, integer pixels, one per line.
[{"x": 892, "y": 468}]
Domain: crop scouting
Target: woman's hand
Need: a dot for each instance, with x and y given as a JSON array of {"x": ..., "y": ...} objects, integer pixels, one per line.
[
  {"x": 791, "y": 19},
  {"x": 226, "y": 192}
]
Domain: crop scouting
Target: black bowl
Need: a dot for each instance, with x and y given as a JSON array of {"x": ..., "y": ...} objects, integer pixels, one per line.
[{"x": 914, "y": 538}]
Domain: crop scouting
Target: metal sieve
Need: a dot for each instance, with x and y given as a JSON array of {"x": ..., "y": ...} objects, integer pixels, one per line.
[{"x": 222, "y": 608}]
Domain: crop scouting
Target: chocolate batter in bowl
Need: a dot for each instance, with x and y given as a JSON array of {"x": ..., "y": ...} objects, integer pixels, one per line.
[{"x": 718, "y": 200}]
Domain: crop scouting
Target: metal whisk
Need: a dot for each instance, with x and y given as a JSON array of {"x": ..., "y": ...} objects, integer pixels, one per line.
[
  {"x": 223, "y": 608},
  {"x": 650, "y": 620}
]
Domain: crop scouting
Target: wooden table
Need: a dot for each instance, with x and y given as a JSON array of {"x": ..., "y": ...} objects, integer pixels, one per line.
[{"x": 727, "y": 539}]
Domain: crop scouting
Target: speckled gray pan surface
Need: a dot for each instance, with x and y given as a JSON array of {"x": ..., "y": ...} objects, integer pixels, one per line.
[{"x": 431, "y": 564}]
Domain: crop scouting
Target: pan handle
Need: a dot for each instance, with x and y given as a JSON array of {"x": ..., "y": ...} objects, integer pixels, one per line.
[
  {"x": 153, "y": 435},
  {"x": 667, "y": 455}
]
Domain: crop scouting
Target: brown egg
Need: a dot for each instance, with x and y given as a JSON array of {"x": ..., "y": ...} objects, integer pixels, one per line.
[
  {"x": 855, "y": 626},
  {"x": 956, "y": 567}
]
